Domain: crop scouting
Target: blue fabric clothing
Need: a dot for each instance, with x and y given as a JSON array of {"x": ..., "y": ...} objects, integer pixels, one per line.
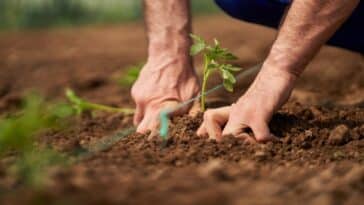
[{"x": 270, "y": 12}]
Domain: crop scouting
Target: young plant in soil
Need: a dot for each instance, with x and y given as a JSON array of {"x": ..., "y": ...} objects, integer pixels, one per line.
[
  {"x": 215, "y": 59},
  {"x": 18, "y": 137},
  {"x": 80, "y": 105},
  {"x": 17, "y": 131}
]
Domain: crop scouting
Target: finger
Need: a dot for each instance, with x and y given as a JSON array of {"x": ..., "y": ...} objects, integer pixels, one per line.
[
  {"x": 202, "y": 130},
  {"x": 234, "y": 128},
  {"x": 145, "y": 123},
  {"x": 214, "y": 120},
  {"x": 261, "y": 132},
  {"x": 234, "y": 125},
  {"x": 214, "y": 130},
  {"x": 153, "y": 127},
  {"x": 246, "y": 138},
  {"x": 138, "y": 116}
]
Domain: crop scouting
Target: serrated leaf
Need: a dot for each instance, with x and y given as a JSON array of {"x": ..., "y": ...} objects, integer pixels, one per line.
[
  {"x": 226, "y": 75},
  {"x": 229, "y": 56},
  {"x": 197, "y": 38},
  {"x": 217, "y": 43},
  {"x": 213, "y": 65},
  {"x": 197, "y": 48},
  {"x": 231, "y": 68},
  {"x": 228, "y": 86}
]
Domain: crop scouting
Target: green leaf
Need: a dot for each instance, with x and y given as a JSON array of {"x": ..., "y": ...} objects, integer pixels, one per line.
[
  {"x": 229, "y": 56},
  {"x": 78, "y": 104},
  {"x": 213, "y": 65},
  {"x": 197, "y": 48},
  {"x": 232, "y": 68},
  {"x": 197, "y": 38},
  {"x": 228, "y": 86},
  {"x": 226, "y": 75},
  {"x": 217, "y": 43}
]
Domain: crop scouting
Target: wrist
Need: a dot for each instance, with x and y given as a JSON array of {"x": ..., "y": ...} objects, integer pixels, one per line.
[
  {"x": 275, "y": 84},
  {"x": 170, "y": 53},
  {"x": 170, "y": 45},
  {"x": 280, "y": 71},
  {"x": 285, "y": 61}
]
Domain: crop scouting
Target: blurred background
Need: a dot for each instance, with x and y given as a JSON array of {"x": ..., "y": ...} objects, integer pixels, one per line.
[
  {"x": 18, "y": 14},
  {"x": 48, "y": 45}
]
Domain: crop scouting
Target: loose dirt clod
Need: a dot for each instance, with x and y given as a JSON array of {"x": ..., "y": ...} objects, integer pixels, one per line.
[{"x": 338, "y": 136}]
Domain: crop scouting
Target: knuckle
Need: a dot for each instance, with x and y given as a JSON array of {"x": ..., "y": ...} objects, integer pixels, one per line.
[
  {"x": 262, "y": 139},
  {"x": 135, "y": 92}
]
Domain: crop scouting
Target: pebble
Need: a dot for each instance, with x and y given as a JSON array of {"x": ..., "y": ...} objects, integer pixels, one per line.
[
  {"x": 260, "y": 155},
  {"x": 214, "y": 168},
  {"x": 338, "y": 135}
]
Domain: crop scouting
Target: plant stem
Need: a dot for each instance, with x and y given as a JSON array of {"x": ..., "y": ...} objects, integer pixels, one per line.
[
  {"x": 126, "y": 111},
  {"x": 204, "y": 83}
]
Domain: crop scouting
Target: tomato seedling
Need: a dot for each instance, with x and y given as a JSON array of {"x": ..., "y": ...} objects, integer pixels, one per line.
[
  {"x": 80, "y": 105},
  {"x": 215, "y": 59}
]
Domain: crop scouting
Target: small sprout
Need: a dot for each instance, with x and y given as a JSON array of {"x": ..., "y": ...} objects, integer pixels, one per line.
[
  {"x": 215, "y": 58},
  {"x": 18, "y": 135},
  {"x": 81, "y": 105},
  {"x": 31, "y": 167},
  {"x": 131, "y": 75},
  {"x": 17, "y": 132}
]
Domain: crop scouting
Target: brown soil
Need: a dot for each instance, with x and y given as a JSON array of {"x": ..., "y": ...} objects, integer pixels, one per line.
[{"x": 318, "y": 159}]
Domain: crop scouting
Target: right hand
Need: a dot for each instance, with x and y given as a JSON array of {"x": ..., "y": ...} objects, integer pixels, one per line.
[{"x": 162, "y": 84}]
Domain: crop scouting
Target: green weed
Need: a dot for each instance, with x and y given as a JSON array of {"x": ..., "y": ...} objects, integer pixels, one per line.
[
  {"x": 18, "y": 137},
  {"x": 80, "y": 105},
  {"x": 17, "y": 132}
]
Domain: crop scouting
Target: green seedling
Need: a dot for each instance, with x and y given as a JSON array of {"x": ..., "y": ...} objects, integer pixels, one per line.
[
  {"x": 131, "y": 75},
  {"x": 18, "y": 136},
  {"x": 17, "y": 132},
  {"x": 215, "y": 59},
  {"x": 31, "y": 167},
  {"x": 80, "y": 105}
]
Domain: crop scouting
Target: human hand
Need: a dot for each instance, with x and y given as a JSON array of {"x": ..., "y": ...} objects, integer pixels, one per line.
[
  {"x": 163, "y": 83},
  {"x": 270, "y": 90}
]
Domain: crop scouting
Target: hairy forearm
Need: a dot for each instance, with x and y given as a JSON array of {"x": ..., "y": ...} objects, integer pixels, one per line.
[
  {"x": 168, "y": 25},
  {"x": 307, "y": 26}
]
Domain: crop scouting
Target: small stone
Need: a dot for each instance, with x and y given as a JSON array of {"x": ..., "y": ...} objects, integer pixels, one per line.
[
  {"x": 339, "y": 155},
  {"x": 316, "y": 112},
  {"x": 83, "y": 142},
  {"x": 214, "y": 168},
  {"x": 322, "y": 199},
  {"x": 210, "y": 167},
  {"x": 338, "y": 136},
  {"x": 261, "y": 155},
  {"x": 306, "y": 145},
  {"x": 361, "y": 130},
  {"x": 355, "y": 176}
]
